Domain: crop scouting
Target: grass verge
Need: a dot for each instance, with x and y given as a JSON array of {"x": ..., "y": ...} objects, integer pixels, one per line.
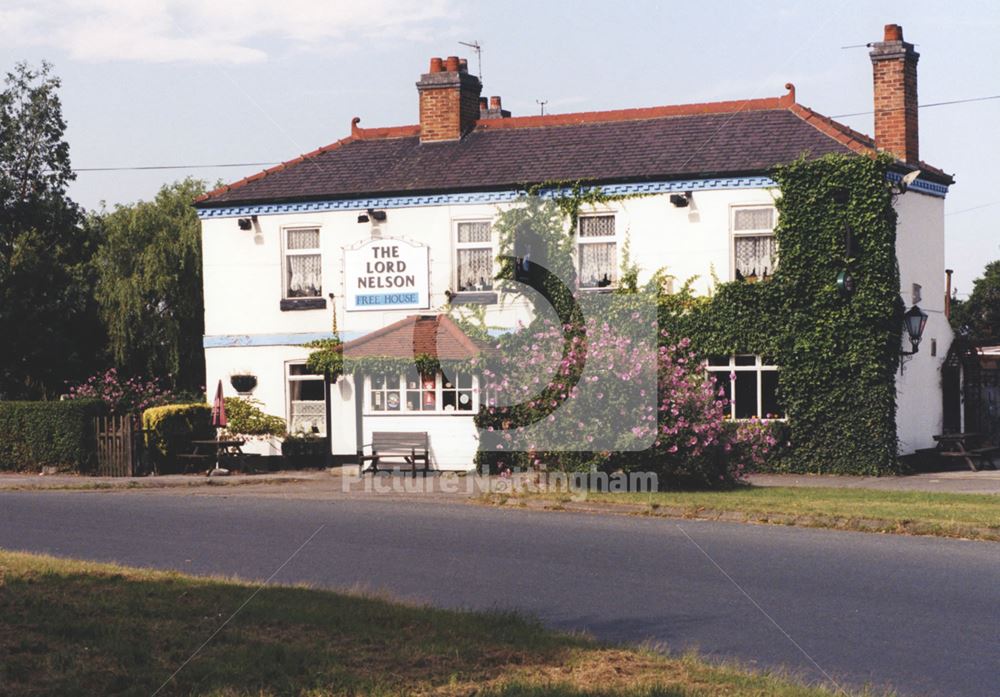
[
  {"x": 78, "y": 628},
  {"x": 970, "y": 516}
]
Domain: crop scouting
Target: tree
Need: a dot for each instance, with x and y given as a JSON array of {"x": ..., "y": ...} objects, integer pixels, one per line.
[
  {"x": 979, "y": 315},
  {"x": 149, "y": 286},
  {"x": 48, "y": 318}
]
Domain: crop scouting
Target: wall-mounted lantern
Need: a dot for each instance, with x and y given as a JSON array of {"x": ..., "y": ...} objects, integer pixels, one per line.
[{"x": 914, "y": 321}]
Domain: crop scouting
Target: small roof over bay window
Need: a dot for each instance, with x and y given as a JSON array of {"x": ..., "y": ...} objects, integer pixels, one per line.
[
  {"x": 396, "y": 388},
  {"x": 435, "y": 336}
]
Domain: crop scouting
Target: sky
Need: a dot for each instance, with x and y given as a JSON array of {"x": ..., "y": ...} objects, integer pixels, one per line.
[{"x": 196, "y": 82}]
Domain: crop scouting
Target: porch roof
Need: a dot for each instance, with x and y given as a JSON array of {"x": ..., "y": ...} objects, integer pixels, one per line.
[{"x": 436, "y": 336}]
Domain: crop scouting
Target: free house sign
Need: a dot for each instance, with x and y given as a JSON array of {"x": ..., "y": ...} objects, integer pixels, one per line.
[{"x": 387, "y": 274}]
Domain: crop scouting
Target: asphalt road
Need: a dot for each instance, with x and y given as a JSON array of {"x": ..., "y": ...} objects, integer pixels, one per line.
[{"x": 920, "y": 614}]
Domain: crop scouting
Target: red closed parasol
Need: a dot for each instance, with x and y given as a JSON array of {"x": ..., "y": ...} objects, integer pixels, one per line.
[{"x": 219, "y": 409}]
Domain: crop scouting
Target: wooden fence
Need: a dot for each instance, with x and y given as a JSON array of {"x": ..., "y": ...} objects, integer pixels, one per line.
[{"x": 119, "y": 445}]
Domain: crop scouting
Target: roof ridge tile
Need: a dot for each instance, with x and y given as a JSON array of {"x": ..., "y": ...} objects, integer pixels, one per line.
[{"x": 643, "y": 113}]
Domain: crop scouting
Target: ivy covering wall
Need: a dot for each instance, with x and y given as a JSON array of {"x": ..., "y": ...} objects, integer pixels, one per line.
[{"x": 838, "y": 352}]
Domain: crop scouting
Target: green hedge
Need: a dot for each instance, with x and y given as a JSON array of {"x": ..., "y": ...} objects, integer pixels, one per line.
[
  {"x": 172, "y": 428},
  {"x": 246, "y": 418},
  {"x": 48, "y": 434}
]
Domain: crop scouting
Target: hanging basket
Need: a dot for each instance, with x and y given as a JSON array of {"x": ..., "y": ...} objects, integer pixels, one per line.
[{"x": 244, "y": 384}]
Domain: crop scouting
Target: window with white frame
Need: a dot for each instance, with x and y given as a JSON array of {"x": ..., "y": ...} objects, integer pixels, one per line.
[
  {"x": 597, "y": 253},
  {"x": 474, "y": 256},
  {"x": 755, "y": 253},
  {"x": 306, "y": 400},
  {"x": 456, "y": 391},
  {"x": 414, "y": 392},
  {"x": 383, "y": 392},
  {"x": 421, "y": 391},
  {"x": 303, "y": 263},
  {"x": 750, "y": 386}
]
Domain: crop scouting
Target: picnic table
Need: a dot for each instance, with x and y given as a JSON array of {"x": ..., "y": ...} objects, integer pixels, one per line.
[
  {"x": 971, "y": 447},
  {"x": 215, "y": 450}
]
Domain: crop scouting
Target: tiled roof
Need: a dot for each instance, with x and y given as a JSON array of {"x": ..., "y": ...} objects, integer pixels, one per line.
[
  {"x": 432, "y": 335},
  {"x": 657, "y": 143}
]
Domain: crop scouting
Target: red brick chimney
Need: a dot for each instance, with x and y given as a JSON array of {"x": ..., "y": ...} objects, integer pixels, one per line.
[
  {"x": 894, "y": 67},
  {"x": 449, "y": 100}
]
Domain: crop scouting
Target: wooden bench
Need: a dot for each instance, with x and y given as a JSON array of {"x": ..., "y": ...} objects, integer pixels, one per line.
[
  {"x": 197, "y": 461},
  {"x": 410, "y": 447},
  {"x": 983, "y": 455},
  {"x": 205, "y": 454}
]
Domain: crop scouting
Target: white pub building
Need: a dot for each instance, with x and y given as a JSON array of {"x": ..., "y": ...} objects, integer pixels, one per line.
[{"x": 388, "y": 227}]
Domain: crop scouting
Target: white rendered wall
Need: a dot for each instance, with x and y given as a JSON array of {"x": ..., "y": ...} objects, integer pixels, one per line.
[
  {"x": 243, "y": 273},
  {"x": 266, "y": 362},
  {"x": 343, "y": 428},
  {"x": 243, "y": 269},
  {"x": 920, "y": 251},
  {"x": 687, "y": 242}
]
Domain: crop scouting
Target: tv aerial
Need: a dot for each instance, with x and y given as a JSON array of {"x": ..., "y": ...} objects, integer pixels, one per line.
[{"x": 478, "y": 48}]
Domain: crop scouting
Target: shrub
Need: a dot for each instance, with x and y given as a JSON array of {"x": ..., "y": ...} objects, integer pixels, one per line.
[
  {"x": 304, "y": 451},
  {"x": 121, "y": 395},
  {"x": 246, "y": 418},
  {"x": 48, "y": 434},
  {"x": 688, "y": 441},
  {"x": 172, "y": 428},
  {"x": 759, "y": 445}
]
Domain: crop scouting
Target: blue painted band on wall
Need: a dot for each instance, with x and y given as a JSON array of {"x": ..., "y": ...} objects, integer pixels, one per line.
[
  {"x": 296, "y": 339},
  {"x": 355, "y": 204},
  {"x": 656, "y": 187},
  {"x": 293, "y": 339},
  {"x": 924, "y": 187}
]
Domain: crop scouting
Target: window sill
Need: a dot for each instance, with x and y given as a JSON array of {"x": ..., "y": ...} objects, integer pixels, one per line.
[
  {"x": 293, "y": 304},
  {"x": 748, "y": 419},
  {"x": 487, "y": 297},
  {"x": 753, "y": 279},
  {"x": 604, "y": 289},
  {"x": 418, "y": 413}
]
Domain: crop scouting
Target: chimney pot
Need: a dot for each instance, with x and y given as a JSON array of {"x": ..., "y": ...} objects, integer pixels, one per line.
[
  {"x": 483, "y": 104},
  {"x": 495, "y": 103},
  {"x": 435, "y": 65},
  {"x": 463, "y": 65},
  {"x": 893, "y": 32},
  {"x": 451, "y": 64}
]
